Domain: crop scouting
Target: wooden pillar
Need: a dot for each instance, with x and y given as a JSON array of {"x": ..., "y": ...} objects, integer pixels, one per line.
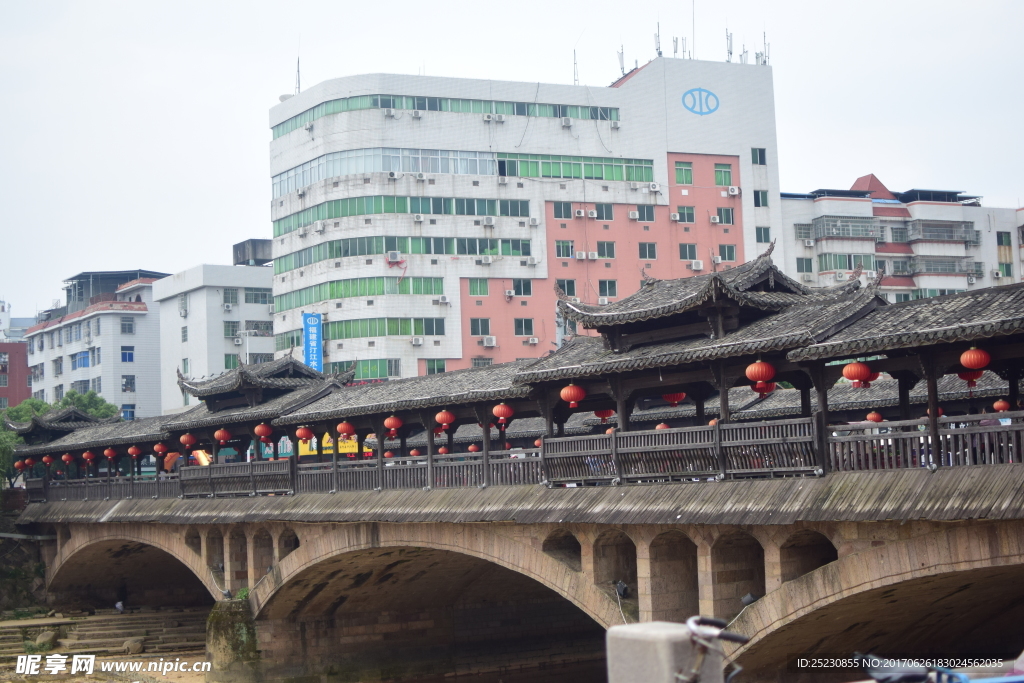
[
  {"x": 380, "y": 429},
  {"x": 484, "y": 416},
  {"x": 1013, "y": 377},
  {"x": 805, "y": 401},
  {"x": 904, "y": 384},
  {"x": 427, "y": 420},
  {"x": 821, "y": 387},
  {"x": 319, "y": 443},
  {"x": 547, "y": 410},
  {"x": 274, "y": 446},
  {"x": 622, "y": 403},
  {"x": 561, "y": 428},
  {"x": 360, "y": 440},
  {"x": 931, "y": 378},
  {"x": 699, "y": 397},
  {"x": 403, "y": 435},
  {"x": 723, "y": 391},
  {"x": 450, "y": 435}
]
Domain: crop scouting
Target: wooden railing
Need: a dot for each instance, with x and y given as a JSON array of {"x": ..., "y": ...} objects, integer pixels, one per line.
[{"x": 964, "y": 440}]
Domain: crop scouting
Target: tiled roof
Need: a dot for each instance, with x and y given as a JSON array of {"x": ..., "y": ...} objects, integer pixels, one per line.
[
  {"x": 978, "y": 314},
  {"x": 63, "y": 420},
  {"x": 103, "y": 434},
  {"x": 202, "y": 416},
  {"x": 284, "y": 373}
]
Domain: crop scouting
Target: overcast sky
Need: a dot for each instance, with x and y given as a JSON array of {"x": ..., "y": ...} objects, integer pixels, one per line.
[{"x": 135, "y": 134}]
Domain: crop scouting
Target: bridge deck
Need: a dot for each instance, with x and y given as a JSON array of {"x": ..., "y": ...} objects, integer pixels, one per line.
[{"x": 953, "y": 493}]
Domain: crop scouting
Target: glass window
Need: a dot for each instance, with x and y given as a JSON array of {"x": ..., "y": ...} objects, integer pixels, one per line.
[
  {"x": 482, "y": 362},
  {"x": 258, "y": 295},
  {"x": 604, "y": 212},
  {"x": 803, "y": 231},
  {"x": 260, "y": 328},
  {"x": 128, "y": 411},
  {"x": 567, "y": 286},
  {"x": 563, "y": 249},
  {"x": 607, "y": 288},
  {"x": 230, "y": 295},
  {"x": 688, "y": 252},
  {"x": 77, "y": 327},
  {"x": 727, "y": 252},
  {"x": 684, "y": 173},
  {"x": 127, "y": 354},
  {"x": 58, "y": 365},
  {"x": 1003, "y": 239},
  {"x": 479, "y": 327},
  {"x": 723, "y": 174},
  {"x": 97, "y": 325},
  {"x": 804, "y": 265},
  {"x": 899, "y": 234},
  {"x": 758, "y": 156},
  {"x": 231, "y": 328},
  {"x": 255, "y": 358},
  {"x": 524, "y": 327},
  {"x": 94, "y": 356},
  {"x": 184, "y": 366},
  {"x": 127, "y": 325},
  {"x": 645, "y": 213},
  {"x": 648, "y": 250},
  {"x": 67, "y": 334},
  {"x": 58, "y": 392},
  {"x": 606, "y": 250},
  {"x": 760, "y": 198},
  {"x": 230, "y": 361},
  {"x": 4, "y": 380},
  {"x": 562, "y": 209},
  {"x": 902, "y": 296},
  {"x": 127, "y": 383},
  {"x": 764, "y": 235},
  {"x": 522, "y": 287},
  {"x": 435, "y": 366},
  {"x": 724, "y": 215},
  {"x": 96, "y": 384},
  {"x": 184, "y": 333},
  {"x": 477, "y": 286},
  {"x": 1006, "y": 269},
  {"x": 686, "y": 214}
]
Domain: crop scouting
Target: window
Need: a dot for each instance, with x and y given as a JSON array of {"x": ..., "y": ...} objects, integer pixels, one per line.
[
  {"x": 255, "y": 358},
  {"x": 567, "y": 286},
  {"x": 684, "y": 173},
  {"x": 230, "y": 361},
  {"x": 562, "y": 209},
  {"x": 3, "y": 402},
  {"x": 382, "y": 327},
  {"x": 727, "y": 252},
  {"x": 688, "y": 252},
  {"x": 77, "y": 328},
  {"x": 828, "y": 262},
  {"x": 723, "y": 175},
  {"x": 645, "y": 213},
  {"x": 127, "y": 383},
  {"x": 479, "y": 327},
  {"x": 522, "y": 287},
  {"x": 686, "y": 214},
  {"x": 563, "y": 249},
  {"x": 4, "y": 380},
  {"x": 1003, "y": 239},
  {"x": 648, "y": 250},
  {"x": 435, "y": 366},
  {"x": 184, "y": 397},
  {"x": 80, "y": 360},
  {"x": 900, "y": 267},
  {"x": 604, "y": 212},
  {"x": 97, "y": 384},
  {"x": 804, "y": 265},
  {"x": 260, "y": 328},
  {"x": 477, "y": 286},
  {"x": 258, "y": 295},
  {"x": 127, "y": 325},
  {"x": 127, "y": 354},
  {"x": 607, "y": 288},
  {"x": 128, "y": 411},
  {"x": 95, "y": 356},
  {"x": 183, "y": 304},
  {"x": 80, "y": 386},
  {"x": 58, "y": 366},
  {"x": 760, "y": 197},
  {"x": 1006, "y": 269},
  {"x": 231, "y": 328},
  {"x": 184, "y": 366},
  {"x": 524, "y": 327},
  {"x": 230, "y": 295},
  {"x": 803, "y": 231},
  {"x": 184, "y": 333},
  {"x": 67, "y": 334},
  {"x": 764, "y": 235},
  {"x": 58, "y": 392},
  {"x": 97, "y": 326},
  {"x": 482, "y": 362},
  {"x": 606, "y": 250},
  {"x": 724, "y": 215},
  {"x": 758, "y": 157}
]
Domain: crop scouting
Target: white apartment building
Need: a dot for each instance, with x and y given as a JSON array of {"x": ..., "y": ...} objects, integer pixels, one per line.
[
  {"x": 429, "y": 219},
  {"x": 925, "y": 242},
  {"x": 104, "y": 339},
  {"x": 211, "y": 318}
]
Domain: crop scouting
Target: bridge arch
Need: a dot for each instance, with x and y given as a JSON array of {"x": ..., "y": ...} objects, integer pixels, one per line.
[
  {"x": 105, "y": 560},
  {"x": 927, "y": 595}
]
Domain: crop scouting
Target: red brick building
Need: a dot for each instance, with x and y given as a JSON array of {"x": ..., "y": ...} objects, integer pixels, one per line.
[{"x": 14, "y": 386}]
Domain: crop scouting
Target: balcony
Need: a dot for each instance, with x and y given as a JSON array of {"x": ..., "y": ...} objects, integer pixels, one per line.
[
  {"x": 943, "y": 231},
  {"x": 937, "y": 265},
  {"x": 847, "y": 226}
]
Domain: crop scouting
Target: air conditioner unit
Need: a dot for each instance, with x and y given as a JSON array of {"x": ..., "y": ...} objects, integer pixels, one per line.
[
  {"x": 503, "y": 180},
  {"x": 417, "y": 217},
  {"x": 319, "y": 226},
  {"x": 574, "y": 299},
  {"x": 227, "y": 308},
  {"x": 840, "y": 276},
  {"x": 581, "y": 255},
  {"x": 591, "y": 214},
  {"x": 532, "y": 260},
  {"x": 390, "y": 113},
  {"x": 566, "y": 122},
  {"x": 733, "y": 190},
  {"x": 499, "y": 118},
  {"x": 592, "y": 255},
  {"x": 808, "y": 243},
  {"x": 302, "y": 231},
  {"x": 394, "y": 175},
  {"x": 394, "y": 256},
  {"x": 490, "y": 341},
  {"x": 488, "y": 118},
  {"x": 270, "y": 309},
  {"x": 634, "y": 215},
  {"x": 654, "y": 187},
  {"x": 421, "y": 176},
  {"x": 674, "y": 217},
  {"x": 997, "y": 274},
  {"x": 634, "y": 186},
  {"x": 488, "y": 220},
  {"x": 696, "y": 265},
  {"x": 602, "y": 301},
  {"x": 715, "y": 219},
  {"x": 534, "y": 221},
  {"x": 533, "y": 340},
  {"x": 580, "y": 213},
  {"x": 309, "y": 126},
  {"x": 510, "y": 292},
  {"x": 716, "y": 259},
  {"x": 807, "y": 277},
  {"x": 971, "y": 279},
  {"x": 417, "y": 114},
  {"x": 238, "y": 341},
  {"x": 487, "y": 260},
  {"x": 615, "y": 125},
  {"x": 416, "y": 341},
  {"x": 443, "y": 300}
]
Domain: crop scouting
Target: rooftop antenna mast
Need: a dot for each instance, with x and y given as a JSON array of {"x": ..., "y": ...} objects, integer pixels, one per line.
[
  {"x": 622, "y": 62},
  {"x": 743, "y": 55},
  {"x": 657, "y": 40},
  {"x": 728, "y": 46},
  {"x": 298, "y": 77},
  {"x": 575, "y": 70}
]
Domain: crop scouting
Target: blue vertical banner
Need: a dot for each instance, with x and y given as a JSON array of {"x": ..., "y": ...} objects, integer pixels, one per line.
[{"x": 314, "y": 357}]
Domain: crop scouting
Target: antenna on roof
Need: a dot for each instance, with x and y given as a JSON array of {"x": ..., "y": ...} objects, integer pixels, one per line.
[
  {"x": 622, "y": 64},
  {"x": 575, "y": 70},
  {"x": 693, "y": 27},
  {"x": 298, "y": 78},
  {"x": 657, "y": 40},
  {"x": 728, "y": 46},
  {"x": 675, "y": 46},
  {"x": 743, "y": 55}
]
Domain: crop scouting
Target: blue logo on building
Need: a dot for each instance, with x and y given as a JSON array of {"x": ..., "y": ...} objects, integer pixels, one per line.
[
  {"x": 700, "y": 101},
  {"x": 311, "y": 322}
]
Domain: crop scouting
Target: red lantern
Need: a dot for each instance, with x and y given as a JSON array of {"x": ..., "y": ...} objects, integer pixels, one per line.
[
  {"x": 160, "y": 448},
  {"x": 438, "y": 430},
  {"x": 941, "y": 411},
  {"x": 134, "y": 451},
  {"x": 674, "y": 399},
  {"x": 539, "y": 443},
  {"x": 604, "y": 415},
  {"x": 304, "y": 434},
  {"x": 20, "y": 465},
  {"x": 445, "y": 418},
  {"x": 473, "y": 448},
  {"x": 971, "y": 377},
  {"x": 415, "y": 453},
  {"x": 110, "y": 453},
  {"x": 857, "y": 372},
  {"x": 610, "y": 430},
  {"x": 573, "y": 395},
  {"x": 68, "y": 458},
  {"x": 760, "y": 371},
  {"x": 222, "y": 435},
  {"x": 503, "y": 411},
  {"x": 508, "y": 445},
  {"x": 393, "y": 423},
  {"x": 1001, "y": 406},
  {"x": 975, "y": 359},
  {"x": 662, "y": 425},
  {"x": 388, "y": 454},
  {"x": 874, "y": 376},
  {"x": 88, "y": 456},
  {"x": 875, "y": 416},
  {"x": 188, "y": 440},
  {"x": 29, "y": 462},
  {"x": 47, "y": 460},
  {"x": 263, "y": 431},
  {"x": 443, "y": 450},
  {"x": 763, "y": 388},
  {"x": 713, "y": 422}
]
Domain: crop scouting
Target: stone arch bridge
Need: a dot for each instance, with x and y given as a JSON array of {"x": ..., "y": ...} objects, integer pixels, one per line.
[{"x": 910, "y": 561}]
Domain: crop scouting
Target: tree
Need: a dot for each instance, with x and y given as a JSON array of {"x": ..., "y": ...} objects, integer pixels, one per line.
[
  {"x": 90, "y": 403},
  {"x": 24, "y": 411}
]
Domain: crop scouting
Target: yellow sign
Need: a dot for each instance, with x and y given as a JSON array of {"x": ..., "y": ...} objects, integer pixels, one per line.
[{"x": 346, "y": 446}]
